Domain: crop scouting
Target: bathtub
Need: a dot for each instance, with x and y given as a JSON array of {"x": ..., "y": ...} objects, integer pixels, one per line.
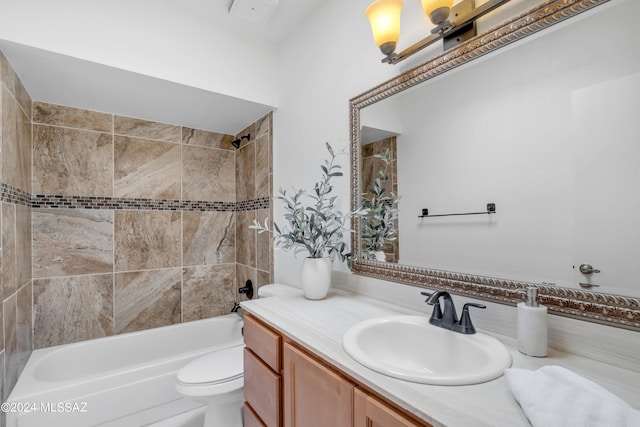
[{"x": 123, "y": 380}]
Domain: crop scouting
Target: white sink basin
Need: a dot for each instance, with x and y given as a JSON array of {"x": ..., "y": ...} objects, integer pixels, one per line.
[{"x": 411, "y": 349}]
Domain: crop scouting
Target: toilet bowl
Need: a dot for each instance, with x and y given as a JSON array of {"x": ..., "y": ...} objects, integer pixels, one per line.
[{"x": 216, "y": 380}]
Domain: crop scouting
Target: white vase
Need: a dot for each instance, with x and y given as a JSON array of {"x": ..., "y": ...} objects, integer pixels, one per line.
[
  {"x": 316, "y": 277},
  {"x": 380, "y": 256}
]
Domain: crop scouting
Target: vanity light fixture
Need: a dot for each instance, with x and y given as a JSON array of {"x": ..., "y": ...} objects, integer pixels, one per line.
[{"x": 453, "y": 24}]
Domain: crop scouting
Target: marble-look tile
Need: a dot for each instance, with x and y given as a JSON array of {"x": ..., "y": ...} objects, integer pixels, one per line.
[
  {"x": 367, "y": 150},
  {"x": 146, "y": 169},
  {"x": 263, "y": 126},
  {"x": 246, "y": 172},
  {"x": 147, "y": 239},
  {"x": 207, "y": 291},
  {"x": 7, "y": 74},
  {"x": 264, "y": 278},
  {"x": 264, "y": 243},
  {"x": 23, "y": 245},
  {"x": 24, "y": 328},
  {"x": 9, "y": 275},
  {"x": 139, "y": 128},
  {"x": 203, "y": 138},
  {"x": 10, "y": 79},
  {"x": 1, "y": 330},
  {"x": 244, "y": 273},
  {"x": 71, "y": 309},
  {"x": 59, "y": 115},
  {"x": 262, "y": 168},
  {"x": 3, "y": 396},
  {"x": 69, "y": 242},
  {"x": 251, "y": 130},
  {"x": 367, "y": 173},
  {"x": 12, "y": 359},
  {"x": 245, "y": 238},
  {"x": 16, "y": 144},
  {"x": 72, "y": 162},
  {"x": 147, "y": 299},
  {"x": 208, "y": 174},
  {"x": 208, "y": 238},
  {"x": 23, "y": 98}
]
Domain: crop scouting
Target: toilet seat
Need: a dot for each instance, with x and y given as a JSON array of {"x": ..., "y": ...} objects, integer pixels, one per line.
[{"x": 218, "y": 372}]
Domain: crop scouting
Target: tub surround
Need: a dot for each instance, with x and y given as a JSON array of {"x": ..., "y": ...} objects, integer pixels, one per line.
[
  {"x": 138, "y": 224},
  {"x": 319, "y": 325},
  {"x": 127, "y": 224},
  {"x": 16, "y": 339}
]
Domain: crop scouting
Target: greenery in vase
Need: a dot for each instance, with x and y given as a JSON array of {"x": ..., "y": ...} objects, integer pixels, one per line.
[
  {"x": 379, "y": 222},
  {"x": 316, "y": 227}
]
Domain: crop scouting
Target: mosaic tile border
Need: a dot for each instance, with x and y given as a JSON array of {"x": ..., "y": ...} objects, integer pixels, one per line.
[{"x": 10, "y": 194}]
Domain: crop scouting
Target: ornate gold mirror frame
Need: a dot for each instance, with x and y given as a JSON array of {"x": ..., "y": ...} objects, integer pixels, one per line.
[{"x": 613, "y": 310}]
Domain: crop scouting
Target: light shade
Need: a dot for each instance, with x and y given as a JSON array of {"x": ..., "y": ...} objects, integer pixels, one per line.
[
  {"x": 437, "y": 10},
  {"x": 384, "y": 16}
]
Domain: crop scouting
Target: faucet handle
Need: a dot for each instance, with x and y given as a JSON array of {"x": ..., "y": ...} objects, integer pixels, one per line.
[
  {"x": 465, "y": 326},
  {"x": 436, "y": 314}
]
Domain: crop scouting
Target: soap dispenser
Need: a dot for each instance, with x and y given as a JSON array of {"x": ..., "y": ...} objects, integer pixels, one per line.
[{"x": 532, "y": 326}]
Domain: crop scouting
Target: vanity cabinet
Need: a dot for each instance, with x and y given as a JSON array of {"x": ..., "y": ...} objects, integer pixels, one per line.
[
  {"x": 369, "y": 411},
  {"x": 285, "y": 385},
  {"x": 314, "y": 395},
  {"x": 262, "y": 374}
]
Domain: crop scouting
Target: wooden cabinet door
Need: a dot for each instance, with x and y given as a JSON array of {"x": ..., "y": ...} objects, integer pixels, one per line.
[
  {"x": 371, "y": 412},
  {"x": 314, "y": 395},
  {"x": 262, "y": 389},
  {"x": 250, "y": 418}
]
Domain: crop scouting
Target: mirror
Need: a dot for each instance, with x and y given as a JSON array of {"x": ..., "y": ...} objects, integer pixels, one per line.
[{"x": 545, "y": 129}]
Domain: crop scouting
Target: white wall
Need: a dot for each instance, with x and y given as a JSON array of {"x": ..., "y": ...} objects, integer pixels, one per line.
[
  {"x": 333, "y": 60},
  {"x": 174, "y": 40}
]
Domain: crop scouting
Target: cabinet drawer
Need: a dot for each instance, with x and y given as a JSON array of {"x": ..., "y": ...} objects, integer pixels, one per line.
[
  {"x": 250, "y": 418},
  {"x": 262, "y": 389},
  {"x": 263, "y": 341},
  {"x": 369, "y": 411}
]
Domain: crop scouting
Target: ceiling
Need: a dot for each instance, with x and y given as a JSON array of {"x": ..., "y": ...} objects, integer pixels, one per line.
[{"x": 65, "y": 80}]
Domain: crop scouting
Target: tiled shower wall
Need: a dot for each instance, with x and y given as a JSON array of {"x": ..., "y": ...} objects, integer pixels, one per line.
[
  {"x": 112, "y": 224},
  {"x": 15, "y": 289},
  {"x": 136, "y": 224}
]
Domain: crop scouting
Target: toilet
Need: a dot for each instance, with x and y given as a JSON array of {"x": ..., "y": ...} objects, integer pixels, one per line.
[{"x": 216, "y": 379}]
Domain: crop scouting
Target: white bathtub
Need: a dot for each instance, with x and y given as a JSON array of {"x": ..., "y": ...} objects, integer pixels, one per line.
[{"x": 125, "y": 380}]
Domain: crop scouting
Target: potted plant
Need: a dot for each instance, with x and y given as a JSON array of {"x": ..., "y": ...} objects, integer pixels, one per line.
[
  {"x": 380, "y": 217},
  {"x": 314, "y": 226}
]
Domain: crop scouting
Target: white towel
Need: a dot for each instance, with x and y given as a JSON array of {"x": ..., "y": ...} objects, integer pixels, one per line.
[{"x": 556, "y": 397}]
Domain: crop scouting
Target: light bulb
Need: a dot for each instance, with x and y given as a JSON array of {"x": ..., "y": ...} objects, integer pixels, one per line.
[
  {"x": 437, "y": 10},
  {"x": 384, "y": 16}
]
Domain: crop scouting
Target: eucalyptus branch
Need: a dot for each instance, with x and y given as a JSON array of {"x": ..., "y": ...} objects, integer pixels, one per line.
[
  {"x": 379, "y": 224},
  {"x": 316, "y": 228}
]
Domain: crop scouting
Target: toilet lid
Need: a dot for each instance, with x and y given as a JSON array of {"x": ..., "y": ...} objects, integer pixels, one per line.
[{"x": 214, "y": 368}]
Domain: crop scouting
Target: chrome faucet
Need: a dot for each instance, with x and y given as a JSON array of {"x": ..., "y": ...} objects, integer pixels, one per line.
[{"x": 448, "y": 318}]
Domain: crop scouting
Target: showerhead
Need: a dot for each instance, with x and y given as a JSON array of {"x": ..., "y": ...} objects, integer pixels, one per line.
[{"x": 236, "y": 143}]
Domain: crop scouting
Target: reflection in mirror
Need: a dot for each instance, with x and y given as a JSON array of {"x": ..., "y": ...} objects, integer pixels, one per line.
[
  {"x": 546, "y": 128},
  {"x": 379, "y": 230}
]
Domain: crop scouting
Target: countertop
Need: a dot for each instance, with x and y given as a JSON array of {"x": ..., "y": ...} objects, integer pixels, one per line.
[{"x": 319, "y": 326}]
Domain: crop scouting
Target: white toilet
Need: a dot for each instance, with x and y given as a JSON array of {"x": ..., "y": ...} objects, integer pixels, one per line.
[{"x": 216, "y": 380}]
